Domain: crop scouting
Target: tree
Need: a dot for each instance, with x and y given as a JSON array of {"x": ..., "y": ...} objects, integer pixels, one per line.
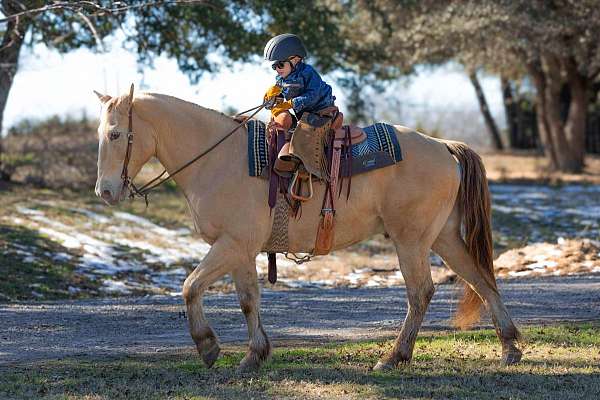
[
  {"x": 187, "y": 30},
  {"x": 485, "y": 110},
  {"x": 553, "y": 42}
]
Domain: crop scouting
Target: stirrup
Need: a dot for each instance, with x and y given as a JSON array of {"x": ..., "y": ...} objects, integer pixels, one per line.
[{"x": 295, "y": 181}]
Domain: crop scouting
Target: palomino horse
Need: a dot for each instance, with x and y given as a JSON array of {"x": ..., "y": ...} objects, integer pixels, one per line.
[{"x": 420, "y": 203}]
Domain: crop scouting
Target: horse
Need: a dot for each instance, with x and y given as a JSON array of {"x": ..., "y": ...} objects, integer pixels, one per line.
[{"x": 420, "y": 203}]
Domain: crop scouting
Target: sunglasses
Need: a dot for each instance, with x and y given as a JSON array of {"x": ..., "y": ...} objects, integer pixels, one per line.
[{"x": 279, "y": 65}]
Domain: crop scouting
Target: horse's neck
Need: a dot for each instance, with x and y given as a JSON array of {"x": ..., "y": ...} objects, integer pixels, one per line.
[{"x": 183, "y": 131}]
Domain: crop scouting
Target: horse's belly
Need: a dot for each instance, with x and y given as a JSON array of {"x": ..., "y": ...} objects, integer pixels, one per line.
[{"x": 355, "y": 220}]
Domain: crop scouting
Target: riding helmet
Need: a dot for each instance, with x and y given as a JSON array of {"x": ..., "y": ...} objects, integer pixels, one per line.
[{"x": 284, "y": 46}]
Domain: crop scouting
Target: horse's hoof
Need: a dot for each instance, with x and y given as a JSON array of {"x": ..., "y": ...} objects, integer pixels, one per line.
[
  {"x": 248, "y": 364},
  {"x": 384, "y": 366},
  {"x": 511, "y": 357},
  {"x": 210, "y": 353}
]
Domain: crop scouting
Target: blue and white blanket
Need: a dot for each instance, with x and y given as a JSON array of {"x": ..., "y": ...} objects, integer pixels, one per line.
[{"x": 381, "y": 137}]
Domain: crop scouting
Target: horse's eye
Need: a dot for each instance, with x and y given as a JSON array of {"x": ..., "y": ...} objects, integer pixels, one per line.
[{"x": 114, "y": 135}]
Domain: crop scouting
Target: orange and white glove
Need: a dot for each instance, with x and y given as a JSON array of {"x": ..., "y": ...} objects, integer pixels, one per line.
[{"x": 281, "y": 107}]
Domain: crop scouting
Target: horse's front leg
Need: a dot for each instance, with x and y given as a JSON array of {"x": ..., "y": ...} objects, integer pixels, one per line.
[
  {"x": 224, "y": 255},
  {"x": 246, "y": 284}
]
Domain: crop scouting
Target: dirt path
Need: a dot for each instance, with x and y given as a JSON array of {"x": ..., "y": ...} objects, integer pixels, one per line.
[{"x": 36, "y": 331}]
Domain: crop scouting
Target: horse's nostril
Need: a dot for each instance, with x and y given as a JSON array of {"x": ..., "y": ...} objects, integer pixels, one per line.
[{"x": 106, "y": 194}]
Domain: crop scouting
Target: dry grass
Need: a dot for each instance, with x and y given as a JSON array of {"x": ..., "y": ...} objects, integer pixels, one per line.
[
  {"x": 530, "y": 167},
  {"x": 559, "y": 363}
]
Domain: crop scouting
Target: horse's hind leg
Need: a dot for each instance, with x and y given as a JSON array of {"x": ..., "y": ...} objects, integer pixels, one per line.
[
  {"x": 223, "y": 256},
  {"x": 450, "y": 246},
  {"x": 416, "y": 271},
  {"x": 246, "y": 284}
]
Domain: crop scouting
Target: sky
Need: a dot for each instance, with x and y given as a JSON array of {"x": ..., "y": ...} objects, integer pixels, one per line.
[{"x": 49, "y": 83}]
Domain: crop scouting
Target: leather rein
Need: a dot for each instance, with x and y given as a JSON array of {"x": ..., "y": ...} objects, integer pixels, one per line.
[{"x": 157, "y": 181}]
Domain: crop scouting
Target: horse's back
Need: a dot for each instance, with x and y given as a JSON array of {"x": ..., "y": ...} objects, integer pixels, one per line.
[
  {"x": 426, "y": 161},
  {"x": 421, "y": 190}
]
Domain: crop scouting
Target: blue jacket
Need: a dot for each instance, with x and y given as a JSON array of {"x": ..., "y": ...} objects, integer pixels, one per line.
[{"x": 306, "y": 89}]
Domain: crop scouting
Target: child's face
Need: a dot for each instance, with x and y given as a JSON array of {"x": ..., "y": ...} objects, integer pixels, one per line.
[
  {"x": 285, "y": 71},
  {"x": 286, "y": 66}
]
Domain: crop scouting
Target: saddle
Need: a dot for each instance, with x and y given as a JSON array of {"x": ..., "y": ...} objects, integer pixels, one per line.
[{"x": 315, "y": 151}]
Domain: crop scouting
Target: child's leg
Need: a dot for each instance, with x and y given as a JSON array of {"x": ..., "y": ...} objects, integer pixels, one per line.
[
  {"x": 284, "y": 164},
  {"x": 284, "y": 119}
]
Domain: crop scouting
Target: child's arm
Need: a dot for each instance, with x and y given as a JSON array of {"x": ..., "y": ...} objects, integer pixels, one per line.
[{"x": 312, "y": 86}]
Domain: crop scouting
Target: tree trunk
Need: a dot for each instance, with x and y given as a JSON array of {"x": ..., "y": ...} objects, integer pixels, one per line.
[
  {"x": 577, "y": 116},
  {"x": 10, "y": 49},
  {"x": 548, "y": 146},
  {"x": 485, "y": 110},
  {"x": 564, "y": 143},
  {"x": 510, "y": 110}
]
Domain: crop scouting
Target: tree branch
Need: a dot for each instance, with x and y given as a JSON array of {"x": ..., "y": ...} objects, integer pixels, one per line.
[
  {"x": 93, "y": 29},
  {"x": 79, "y": 6}
]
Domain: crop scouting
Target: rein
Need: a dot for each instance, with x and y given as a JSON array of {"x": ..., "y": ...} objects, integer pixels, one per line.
[{"x": 157, "y": 181}]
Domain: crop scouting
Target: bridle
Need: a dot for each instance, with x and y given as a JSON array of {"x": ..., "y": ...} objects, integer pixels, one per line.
[
  {"x": 157, "y": 181},
  {"x": 127, "y": 181}
]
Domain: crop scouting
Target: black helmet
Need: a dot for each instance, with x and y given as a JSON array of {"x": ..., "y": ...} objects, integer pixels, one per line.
[{"x": 282, "y": 47}]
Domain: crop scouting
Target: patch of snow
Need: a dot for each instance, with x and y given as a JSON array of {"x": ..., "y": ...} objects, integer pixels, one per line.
[
  {"x": 542, "y": 264},
  {"x": 67, "y": 241},
  {"x": 510, "y": 210},
  {"x": 520, "y": 273},
  {"x": 73, "y": 290},
  {"x": 113, "y": 286},
  {"x": 61, "y": 257},
  {"x": 372, "y": 283},
  {"x": 92, "y": 215},
  {"x": 145, "y": 223},
  {"x": 29, "y": 211}
]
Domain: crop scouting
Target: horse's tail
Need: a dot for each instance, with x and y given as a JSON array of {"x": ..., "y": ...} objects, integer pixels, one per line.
[{"x": 475, "y": 206}]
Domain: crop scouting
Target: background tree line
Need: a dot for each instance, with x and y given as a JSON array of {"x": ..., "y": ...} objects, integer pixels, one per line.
[{"x": 551, "y": 45}]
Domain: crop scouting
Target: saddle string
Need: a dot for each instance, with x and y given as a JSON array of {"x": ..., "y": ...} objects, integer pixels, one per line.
[
  {"x": 297, "y": 259},
  {"x": 151, "y": 185}
]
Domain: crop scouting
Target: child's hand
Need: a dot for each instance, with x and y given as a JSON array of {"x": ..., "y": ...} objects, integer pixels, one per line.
[
  {"x": 281, "y": 107},
  {"x": 272, "y": 92}
]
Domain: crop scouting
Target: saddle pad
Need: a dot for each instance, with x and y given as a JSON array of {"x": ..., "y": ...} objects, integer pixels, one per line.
[
  {"x": 258, "y": 151},
  {"x": 381, "y": 141},
  {"x": 380, "y": 137}
]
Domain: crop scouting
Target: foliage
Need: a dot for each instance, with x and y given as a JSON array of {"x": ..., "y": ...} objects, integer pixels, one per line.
[
  {"x": 55, "y": 152},
  {"x": 554, "y": 43}
]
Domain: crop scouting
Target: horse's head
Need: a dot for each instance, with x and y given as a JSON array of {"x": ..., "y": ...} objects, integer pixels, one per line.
[{"x": 113, "y": 144}]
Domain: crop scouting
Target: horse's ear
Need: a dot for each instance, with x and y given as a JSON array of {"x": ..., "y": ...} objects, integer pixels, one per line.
[
  {"x": 103, "y": 97},
  {"x": 131, "y": 94}
]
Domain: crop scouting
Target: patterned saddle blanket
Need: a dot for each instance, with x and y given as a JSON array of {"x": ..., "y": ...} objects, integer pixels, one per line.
[{"x": 381, "y": 149}]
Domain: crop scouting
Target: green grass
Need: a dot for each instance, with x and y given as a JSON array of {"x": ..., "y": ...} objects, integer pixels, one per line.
[
  {"x": 561, "y": 362},
  {"x": 40, "y": 275}
]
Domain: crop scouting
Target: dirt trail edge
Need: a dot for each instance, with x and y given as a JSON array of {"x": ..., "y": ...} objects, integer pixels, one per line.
[{"x": 37, "y": 331}]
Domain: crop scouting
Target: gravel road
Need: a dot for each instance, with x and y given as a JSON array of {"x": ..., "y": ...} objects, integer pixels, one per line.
[{"x": 37, "y": 331}]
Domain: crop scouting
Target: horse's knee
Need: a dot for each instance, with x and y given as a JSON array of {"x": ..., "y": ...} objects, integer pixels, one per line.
[
  {"x": 190, "y": 289},
  {"x": 419, "y": 297},
  {"x": 247, "y": 304}
]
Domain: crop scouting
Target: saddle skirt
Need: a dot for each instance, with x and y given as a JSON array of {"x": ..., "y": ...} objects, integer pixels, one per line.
[{"x": 380, "y": 149}]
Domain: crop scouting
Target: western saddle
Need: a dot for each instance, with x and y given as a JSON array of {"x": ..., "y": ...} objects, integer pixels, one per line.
[{"x": 314, "y": 151}]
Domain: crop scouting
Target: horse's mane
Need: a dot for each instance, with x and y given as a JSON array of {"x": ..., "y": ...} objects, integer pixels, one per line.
[{"x": 178, "y": 101}]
